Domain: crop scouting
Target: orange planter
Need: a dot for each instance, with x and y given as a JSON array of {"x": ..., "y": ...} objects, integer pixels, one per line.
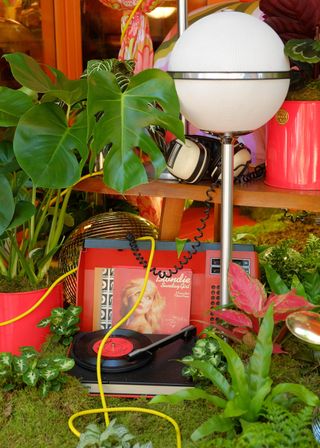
[
  {"x": 25, "y": 331},
  {"x": 293, "y": 146}
]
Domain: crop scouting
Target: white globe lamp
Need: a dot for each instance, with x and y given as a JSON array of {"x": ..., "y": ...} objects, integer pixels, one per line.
[{"x": 231, "y": 76}]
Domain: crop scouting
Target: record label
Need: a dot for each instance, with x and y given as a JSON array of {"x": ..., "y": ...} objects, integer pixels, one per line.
[
  {"x": 115, "y": 353},
  {"x": 114, "y": 347}
]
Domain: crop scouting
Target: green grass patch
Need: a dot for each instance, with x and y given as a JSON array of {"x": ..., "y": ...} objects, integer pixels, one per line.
[{"x": 27, "y": 421}]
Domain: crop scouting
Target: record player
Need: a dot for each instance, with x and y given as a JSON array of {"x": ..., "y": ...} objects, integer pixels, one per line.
[{"x": 133, "y": 364}]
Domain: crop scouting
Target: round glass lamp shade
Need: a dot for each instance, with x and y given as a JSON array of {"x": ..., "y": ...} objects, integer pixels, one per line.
[{"x": 230, "y": 72}]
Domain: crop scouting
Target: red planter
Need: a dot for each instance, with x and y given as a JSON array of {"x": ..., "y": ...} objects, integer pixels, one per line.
[
  {"x": 25, "y": 331},
  {"x": 293, "y": 146}
]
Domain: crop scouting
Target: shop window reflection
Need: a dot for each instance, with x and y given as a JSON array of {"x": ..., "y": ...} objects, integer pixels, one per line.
[{"x": 20, "y": 30}]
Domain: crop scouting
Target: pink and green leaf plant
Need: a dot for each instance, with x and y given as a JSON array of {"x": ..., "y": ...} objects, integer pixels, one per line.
[{"x": 249, "y": 297}]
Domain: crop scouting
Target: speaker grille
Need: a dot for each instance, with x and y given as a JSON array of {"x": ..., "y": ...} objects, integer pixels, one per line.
[{"x": 110, "y": 225}]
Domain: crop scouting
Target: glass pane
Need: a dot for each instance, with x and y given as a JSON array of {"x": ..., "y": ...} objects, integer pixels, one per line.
[
  {"x": 26, "y": 26},
  {"x": 101, "y": 25}
]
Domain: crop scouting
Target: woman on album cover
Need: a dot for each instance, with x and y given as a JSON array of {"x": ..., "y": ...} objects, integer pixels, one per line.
[{"x": 146, "y": 317}]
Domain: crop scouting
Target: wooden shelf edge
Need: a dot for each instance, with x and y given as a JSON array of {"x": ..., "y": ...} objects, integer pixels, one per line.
[{"x": 253, "y": 194}]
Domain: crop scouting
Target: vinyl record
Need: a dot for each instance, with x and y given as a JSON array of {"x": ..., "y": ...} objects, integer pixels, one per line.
[{"x": 114, "y": 357}]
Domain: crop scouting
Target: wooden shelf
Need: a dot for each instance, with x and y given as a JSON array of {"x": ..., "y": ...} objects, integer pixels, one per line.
[{"x": 252, "y": 194}]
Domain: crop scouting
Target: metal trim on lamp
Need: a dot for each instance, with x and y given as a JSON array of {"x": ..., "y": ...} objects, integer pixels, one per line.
[{"x": 223, "y": 76}]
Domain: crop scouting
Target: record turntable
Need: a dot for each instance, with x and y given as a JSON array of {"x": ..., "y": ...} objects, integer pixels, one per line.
[{"x": 133, "y": 364}]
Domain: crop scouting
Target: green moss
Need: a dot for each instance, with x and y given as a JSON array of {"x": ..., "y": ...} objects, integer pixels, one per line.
[
  {"x": 22, "y": 284},
  {"x": 28, "y": 421}
]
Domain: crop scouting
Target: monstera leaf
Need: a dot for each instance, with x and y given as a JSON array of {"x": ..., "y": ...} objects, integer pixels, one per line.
[
  {"x": 45, "y": 145},
  {"x": 28, "y": 72},
  {"x": 119, "y": 120},
  {"x": 13, "y": 104}
]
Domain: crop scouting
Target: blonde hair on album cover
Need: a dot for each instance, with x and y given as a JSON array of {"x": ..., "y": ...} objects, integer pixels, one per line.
[{"x": 143, "y": 322}]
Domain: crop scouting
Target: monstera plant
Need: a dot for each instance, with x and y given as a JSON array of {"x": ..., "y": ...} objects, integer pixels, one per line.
[
  {"x": 51, "y": 131},
  {"x": 53, "y": 143}
]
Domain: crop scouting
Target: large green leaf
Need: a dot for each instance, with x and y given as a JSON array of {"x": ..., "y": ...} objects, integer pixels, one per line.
[
  {"x": 235, "y": 408},
  {"x": 260, "y": 361},
  {"x": 8, "y": 163},
  {"x": 217, "y": 423},
  {"x": 298, "y": 390},
  {"x": 298, "y": 287},
  {"x": 276, "y": 283},
  {"x": 257, "y": 401},
  {"x": 311, "y": 283},
  {"x": 13, "y": 103},
  {"x": 216, "y": 377},
  {"x": 7, "y": 203},
  {"x": 45, "y": 146},
  {"x": 123, "y": 119},
  {"x": 24, "y": 210},
  {"x": 236, "y": 370},
  {"x": 190, "y": 394},
  {"x": 28, "y": 72},
  {"x": 70, "y": 91}
]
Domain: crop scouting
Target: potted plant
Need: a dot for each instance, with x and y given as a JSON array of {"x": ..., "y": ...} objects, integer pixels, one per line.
[
  {"x": 293, "y": 134},
  {"x": 53, "y": 128}
]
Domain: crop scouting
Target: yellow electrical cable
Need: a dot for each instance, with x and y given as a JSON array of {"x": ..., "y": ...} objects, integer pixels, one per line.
[
  {"x": 104, "y": 408},
  {"x": 42, "y": 298},
  {"x": 64, "y": 192},
  {"x": 121, "y": 321},
  {"x": 126, "y": 409},
  {"x": 129, "y": 19}
]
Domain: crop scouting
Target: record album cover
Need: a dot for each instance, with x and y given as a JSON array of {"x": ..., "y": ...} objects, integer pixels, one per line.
[{"x": 165, "y": 306}]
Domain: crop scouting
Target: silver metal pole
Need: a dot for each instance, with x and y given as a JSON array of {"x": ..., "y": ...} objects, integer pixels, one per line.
[
  {"x": 182, "y": 16},
  {"x": 226, "y": 214},
  {"x": 182, "y": 26}
]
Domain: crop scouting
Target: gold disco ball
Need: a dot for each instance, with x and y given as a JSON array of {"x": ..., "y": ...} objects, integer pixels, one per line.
[{"x": 110, "y": 225}]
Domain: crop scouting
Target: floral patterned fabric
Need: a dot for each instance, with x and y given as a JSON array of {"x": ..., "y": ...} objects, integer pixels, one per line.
[{"x": 136, "y": 43}]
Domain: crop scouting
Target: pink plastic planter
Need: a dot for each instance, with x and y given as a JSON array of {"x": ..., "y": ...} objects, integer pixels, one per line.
[
  {"x": 293, "y": 146},
  {"x": 25, "y": 330}
]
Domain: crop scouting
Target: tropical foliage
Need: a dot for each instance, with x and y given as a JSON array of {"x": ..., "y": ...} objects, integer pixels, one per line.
[
  {"x": 207, "y": 349},
  {"x": 247, "y": 392},
  {"x": 63, "y": 323},
  {"x": 285, "y": 268},
  {"x": 51, "y": 127},
  {"x": 252, "y": 302},
  {"x": 34, "y": 370},
  {"x": 281, "y": 428},
  {"x": 297, "y": 26}
]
